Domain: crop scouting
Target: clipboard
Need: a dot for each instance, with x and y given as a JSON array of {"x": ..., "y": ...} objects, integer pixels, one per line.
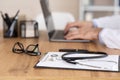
[{"x": 53, "y": 60}]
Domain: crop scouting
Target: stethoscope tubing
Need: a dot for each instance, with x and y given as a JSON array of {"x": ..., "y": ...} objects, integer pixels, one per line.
[{"x": 72, "y": 59}]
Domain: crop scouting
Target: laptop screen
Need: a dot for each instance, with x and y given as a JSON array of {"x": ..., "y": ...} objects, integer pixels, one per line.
[{"x": 47, "y": 16}]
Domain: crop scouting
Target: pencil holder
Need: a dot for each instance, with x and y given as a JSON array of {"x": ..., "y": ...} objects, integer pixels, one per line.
[{"x": 10, "y": 30}]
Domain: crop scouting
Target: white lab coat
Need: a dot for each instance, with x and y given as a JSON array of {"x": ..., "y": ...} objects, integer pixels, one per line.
[{"x": 110, "y": 35}]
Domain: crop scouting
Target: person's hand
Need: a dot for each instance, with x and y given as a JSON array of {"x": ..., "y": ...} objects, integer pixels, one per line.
[
  {"x": 84, "y": 31},
  {"x": 78, "y": 24}
]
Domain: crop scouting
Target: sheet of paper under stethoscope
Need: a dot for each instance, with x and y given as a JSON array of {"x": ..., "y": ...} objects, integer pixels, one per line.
[{"x": 54, "y": 60}]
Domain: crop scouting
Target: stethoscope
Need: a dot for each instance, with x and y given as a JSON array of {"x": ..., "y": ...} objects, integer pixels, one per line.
[
  {"x": 69, "y": 58},
  {"x": 83, "y": 58}
]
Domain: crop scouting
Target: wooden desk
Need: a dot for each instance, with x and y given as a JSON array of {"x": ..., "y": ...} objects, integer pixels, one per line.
[{"x": 20, "y": 66}]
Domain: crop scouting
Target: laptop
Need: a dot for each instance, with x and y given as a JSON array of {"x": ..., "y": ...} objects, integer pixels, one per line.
[{"x": 53, "y": 34}]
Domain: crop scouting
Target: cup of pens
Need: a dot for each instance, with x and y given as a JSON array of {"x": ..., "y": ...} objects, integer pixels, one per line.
[{"x": 10, "y": 25}]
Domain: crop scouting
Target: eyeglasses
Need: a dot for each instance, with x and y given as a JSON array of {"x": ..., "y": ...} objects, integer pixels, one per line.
[{"x": 32, "y": 50}]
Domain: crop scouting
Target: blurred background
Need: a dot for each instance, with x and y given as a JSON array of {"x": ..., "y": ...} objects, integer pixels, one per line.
[{"x": 80, "y": 9}]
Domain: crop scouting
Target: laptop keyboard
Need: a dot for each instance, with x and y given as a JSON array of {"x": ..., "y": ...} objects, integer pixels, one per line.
[{"x": 59, "y": 35}]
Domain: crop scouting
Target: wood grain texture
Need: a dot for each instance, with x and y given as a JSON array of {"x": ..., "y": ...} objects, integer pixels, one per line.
[{"x": 20, "y": 66}]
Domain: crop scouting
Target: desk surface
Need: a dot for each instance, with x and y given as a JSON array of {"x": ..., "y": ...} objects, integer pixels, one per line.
[{"x": 20, "y": 66}]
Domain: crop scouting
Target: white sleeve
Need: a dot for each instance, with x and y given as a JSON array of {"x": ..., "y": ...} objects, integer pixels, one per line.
[
  {"x": 110, "y": 37},
  {"x": 108, "y": 22}
]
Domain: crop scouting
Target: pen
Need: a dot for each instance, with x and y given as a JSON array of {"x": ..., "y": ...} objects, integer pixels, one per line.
[
  {"x": 16, "y": 15},
  {"x": 11, "y": 30},
  {"x": 8, "y": 19},
  {"x": 4, "y": 19},
  {"x": 2, "y": 15},
  {"x": 73, "y": 50},
  {"x": 67, "y": 50}
]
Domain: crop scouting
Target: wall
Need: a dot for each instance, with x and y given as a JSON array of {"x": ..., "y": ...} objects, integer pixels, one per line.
[
  {"x": 103, "y": 3},
  {"x": 31, "y": 8},
  {"x": 70, "y": 6}
]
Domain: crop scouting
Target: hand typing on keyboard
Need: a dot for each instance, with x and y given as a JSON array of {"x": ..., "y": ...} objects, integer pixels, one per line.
[
  {"x": 81, "y": 30},
  {"x": 71, "y": 29}
]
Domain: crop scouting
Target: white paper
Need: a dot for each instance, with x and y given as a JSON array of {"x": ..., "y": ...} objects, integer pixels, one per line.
[{"x": 53, "y": 60}]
